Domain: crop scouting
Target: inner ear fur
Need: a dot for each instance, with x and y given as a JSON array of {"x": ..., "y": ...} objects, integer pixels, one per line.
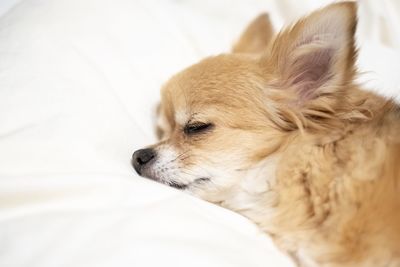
[{"x": 311, "y": 69}]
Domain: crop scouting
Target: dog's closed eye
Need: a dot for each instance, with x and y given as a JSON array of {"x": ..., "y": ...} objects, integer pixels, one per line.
[{"x": 197, "y": 127}]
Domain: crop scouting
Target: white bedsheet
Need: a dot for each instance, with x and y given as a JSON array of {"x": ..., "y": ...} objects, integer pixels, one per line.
[{"x": 79, "y": 80}]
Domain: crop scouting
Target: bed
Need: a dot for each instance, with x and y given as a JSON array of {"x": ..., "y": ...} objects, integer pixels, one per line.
[{"x": 79, "y": 82}]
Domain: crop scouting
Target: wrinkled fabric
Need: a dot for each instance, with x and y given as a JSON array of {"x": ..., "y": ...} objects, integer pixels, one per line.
[{"x": 79, "y": 82}]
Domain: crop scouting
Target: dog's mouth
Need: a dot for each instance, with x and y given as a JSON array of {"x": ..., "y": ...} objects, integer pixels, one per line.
[
  {"x": 182, "y": 186},
  {"x": 149, "y": 174},
  {"x": 176, "y": 185}
]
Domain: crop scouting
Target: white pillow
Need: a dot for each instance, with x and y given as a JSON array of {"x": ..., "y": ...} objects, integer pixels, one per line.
[{"x": 78, "y": 84}]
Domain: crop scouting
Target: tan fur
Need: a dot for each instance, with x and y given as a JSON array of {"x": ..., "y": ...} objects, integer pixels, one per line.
[
  {"x": 256, "y": 37},
  {"x": 318, "y": 169}
]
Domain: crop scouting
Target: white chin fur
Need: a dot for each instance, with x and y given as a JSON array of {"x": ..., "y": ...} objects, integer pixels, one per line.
[{"x": 235, "y": 189}]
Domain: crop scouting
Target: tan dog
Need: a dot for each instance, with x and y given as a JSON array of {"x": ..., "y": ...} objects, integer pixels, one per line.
[{"x": 279, "y": 132}]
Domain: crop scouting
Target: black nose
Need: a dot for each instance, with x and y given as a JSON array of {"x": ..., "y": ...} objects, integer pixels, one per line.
[{"x": 142, "y": 157}]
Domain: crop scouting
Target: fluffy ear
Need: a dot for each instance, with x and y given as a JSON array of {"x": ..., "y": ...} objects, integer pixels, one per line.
[
  {"x": 316, "y": 55},
  {"x": 256, "y": 37}
]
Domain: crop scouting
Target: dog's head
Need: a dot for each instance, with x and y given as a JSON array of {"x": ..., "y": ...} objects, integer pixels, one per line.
[{"x": 222, "y": 119}]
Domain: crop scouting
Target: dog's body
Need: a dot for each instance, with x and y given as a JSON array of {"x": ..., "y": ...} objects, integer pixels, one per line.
[{"x": 279, "y": 132}]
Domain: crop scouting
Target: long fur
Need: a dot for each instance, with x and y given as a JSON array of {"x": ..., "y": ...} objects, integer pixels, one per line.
[{"x": 294, "y": 144}]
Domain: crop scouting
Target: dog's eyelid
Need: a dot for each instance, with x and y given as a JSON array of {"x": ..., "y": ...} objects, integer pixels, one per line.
[
  {"x": 193, "y": 118},
  {"x": 197, "y": 127}
]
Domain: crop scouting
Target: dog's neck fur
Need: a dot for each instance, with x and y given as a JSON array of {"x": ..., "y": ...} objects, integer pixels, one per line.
[{"x": 295, "y": 207}]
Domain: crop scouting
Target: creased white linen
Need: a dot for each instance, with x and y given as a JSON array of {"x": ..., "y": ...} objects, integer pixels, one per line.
[{"x": 79, "y": 80}]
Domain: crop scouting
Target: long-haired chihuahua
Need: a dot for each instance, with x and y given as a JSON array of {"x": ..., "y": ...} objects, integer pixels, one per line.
[{"x": 279, "y": 131}]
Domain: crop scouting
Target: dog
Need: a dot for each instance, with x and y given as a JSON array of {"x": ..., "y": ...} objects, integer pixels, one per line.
[{"x": 280, "y": 132}]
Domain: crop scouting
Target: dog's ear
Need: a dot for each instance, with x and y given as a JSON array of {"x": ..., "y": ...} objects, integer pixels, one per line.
[
  {"x": 256, "y": 37},
  {"x": 315, "y": 57}
]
